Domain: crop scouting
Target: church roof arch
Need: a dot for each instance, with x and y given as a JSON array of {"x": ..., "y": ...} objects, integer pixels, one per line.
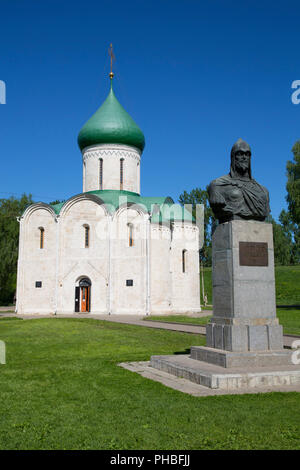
[
  {"x": 66, "y": 206},
  {"x": 38, "y": 206},
  {"x": 137, "y": 206}
]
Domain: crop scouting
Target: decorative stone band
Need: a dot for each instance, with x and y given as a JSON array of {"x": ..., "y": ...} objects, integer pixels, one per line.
[{"x": 111, "y": 150}]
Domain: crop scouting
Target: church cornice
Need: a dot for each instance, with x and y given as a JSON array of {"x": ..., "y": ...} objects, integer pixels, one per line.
[{"x": 111, "y": 150}]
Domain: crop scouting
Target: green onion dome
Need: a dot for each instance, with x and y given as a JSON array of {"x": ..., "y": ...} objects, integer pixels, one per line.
[{"x": 111, "y": 124}]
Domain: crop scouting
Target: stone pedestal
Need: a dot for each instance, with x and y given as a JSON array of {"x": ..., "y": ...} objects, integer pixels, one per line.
[
  {"x": 244, "y": 313},
  {"x": 244, "y": 339}
]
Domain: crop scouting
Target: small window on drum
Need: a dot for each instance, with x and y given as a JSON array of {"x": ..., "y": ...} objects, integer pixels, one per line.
[
  {"x": 38, "y": 283},
  {"x": 129, "y": 282},
  {"x": 121, "y": 173},
  {"x": 101, "y": 173}
]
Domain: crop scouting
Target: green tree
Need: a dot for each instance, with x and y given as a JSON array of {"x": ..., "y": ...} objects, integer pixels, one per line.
[
  {"x": 57, "y": 201},
  {"x": 283, "y": 243},
  {"x": 200, "y": 196},
  {"x": 293, "y": 185},
  {"x": 291, "y": 220},
  {"x": 10, "y": 209}
]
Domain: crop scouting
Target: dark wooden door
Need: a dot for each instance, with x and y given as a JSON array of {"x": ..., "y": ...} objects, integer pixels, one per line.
[
  {"x": 85, "y": 299},
  {"x": 77, "y": 298}
]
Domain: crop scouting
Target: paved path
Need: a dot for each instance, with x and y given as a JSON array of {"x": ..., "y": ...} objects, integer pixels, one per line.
[{"x": 138, "y": 320}]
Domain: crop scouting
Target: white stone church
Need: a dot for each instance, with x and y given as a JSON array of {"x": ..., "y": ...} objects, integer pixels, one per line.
[{"x": 109, "y": 250}]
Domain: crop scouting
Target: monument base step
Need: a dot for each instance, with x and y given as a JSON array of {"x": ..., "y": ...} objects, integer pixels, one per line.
[
  {"x": 216, "y": 377},
  {"x": 230, "y": 359}
]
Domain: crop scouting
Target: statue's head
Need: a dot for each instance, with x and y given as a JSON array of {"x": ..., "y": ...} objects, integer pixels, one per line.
[{"x": 240, "y": 159}]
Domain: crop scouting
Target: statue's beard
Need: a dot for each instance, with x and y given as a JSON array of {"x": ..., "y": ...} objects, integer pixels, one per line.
[{"x": 242, "y": 168}]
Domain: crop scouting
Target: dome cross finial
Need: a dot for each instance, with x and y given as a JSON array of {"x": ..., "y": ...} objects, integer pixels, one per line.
[{"x": 112, "y": 58}]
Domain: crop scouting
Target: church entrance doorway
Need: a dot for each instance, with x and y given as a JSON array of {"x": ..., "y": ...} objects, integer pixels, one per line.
[{"x": 83, "y": 295}]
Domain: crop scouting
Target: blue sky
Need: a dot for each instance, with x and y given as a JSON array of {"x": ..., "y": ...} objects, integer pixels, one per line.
[{"x": 194, "y": 75}]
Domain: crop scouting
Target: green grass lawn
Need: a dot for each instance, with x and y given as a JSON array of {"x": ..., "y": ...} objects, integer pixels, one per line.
[
  {"x": 290, "y": 320},
  {"x": 287, "y": 285},
  {"x": 62, "y": 389}
]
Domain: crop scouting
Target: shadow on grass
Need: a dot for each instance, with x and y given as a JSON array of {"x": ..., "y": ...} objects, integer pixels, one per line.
[
  {"x": 186, "y": 351},
  {"x": 3, "y": 318},
  {"x": 289, "y": 307}
]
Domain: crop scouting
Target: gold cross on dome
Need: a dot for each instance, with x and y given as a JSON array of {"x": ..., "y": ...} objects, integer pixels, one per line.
[{"x": 112, "y": 58}]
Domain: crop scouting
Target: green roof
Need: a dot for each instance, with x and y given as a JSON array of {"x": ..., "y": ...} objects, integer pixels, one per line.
[
  {"x": 111, "y": 124},
  {"x": 163, "y": 209}
]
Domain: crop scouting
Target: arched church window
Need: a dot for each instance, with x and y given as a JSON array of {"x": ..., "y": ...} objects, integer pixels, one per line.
[
  {"x": 86, "y": 236},
  {"x": 130, "y": 235},
  {"x": 100, "y": 173},
  {"x": 184, "y": 261},
  {"x": 121, "y": 173},
  {"x": 42, "y": 237}
]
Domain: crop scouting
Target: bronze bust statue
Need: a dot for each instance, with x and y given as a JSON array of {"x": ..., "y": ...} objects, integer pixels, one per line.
[{"x": 237, "y": 195}]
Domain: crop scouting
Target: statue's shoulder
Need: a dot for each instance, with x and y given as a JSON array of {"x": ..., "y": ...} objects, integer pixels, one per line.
[
  {"x": 226, "y": 179},
  {"x": 264, "y": 189}
]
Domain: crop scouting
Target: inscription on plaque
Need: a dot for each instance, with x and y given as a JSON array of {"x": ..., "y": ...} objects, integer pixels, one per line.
[{"x": 253, "y": 254}]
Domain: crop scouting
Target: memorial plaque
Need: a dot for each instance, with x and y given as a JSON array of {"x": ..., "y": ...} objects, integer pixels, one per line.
[{"x": 253, "y": 254}]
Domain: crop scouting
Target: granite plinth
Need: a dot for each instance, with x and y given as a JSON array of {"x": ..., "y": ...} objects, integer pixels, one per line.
[
  {"x": 244, "y": 309},
  {"x": 238, "y": 337},
  {"x": 230, "y": 359},
  {"x": 217, "y": 377}
]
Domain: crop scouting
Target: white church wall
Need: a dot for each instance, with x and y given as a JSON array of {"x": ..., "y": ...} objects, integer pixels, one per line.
[
  {"x": 76, "y": 260},
  {"x": 111, "y": 154},
  {"x": 128, "y": 263},
  {"x": 153, "y": 264},
  {"x": 160, "y": 284},
  {"x": 185, "y": 285},
  {"x": 36, "y": 264}
]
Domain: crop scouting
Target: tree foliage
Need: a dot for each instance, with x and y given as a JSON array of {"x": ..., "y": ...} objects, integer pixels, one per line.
[
  {"x": 283, "y": 244},
  {"x": 293, "y": 185},
  {"x": 291, "y": 219},
  {"x": 10, "y": 209}
]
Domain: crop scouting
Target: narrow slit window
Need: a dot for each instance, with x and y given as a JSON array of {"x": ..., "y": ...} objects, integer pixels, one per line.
[
  {"x": 183, "y": 261},
  {"x": 121, "y": 173},
  {"x": 84, "y": 175},
  {"x": 101, "y": 173},
  {"x": 130, "y": 234},
  {"x": 42, "y": 237},
  {"x": 86, "y": 236}
]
